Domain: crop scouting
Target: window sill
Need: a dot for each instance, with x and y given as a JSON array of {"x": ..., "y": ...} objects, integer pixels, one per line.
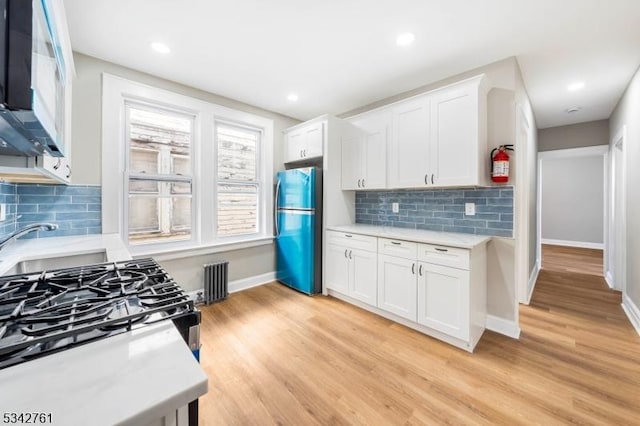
[{"x": 199, "y": 250}]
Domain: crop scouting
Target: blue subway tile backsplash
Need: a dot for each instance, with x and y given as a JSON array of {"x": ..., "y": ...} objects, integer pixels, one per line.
[
  {"x": 75, "y": 208},
  {"x": 440, "y": 210}
]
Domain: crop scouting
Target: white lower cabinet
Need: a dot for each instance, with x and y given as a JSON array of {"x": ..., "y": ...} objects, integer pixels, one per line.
[
  {"x": 397, "y": 286},
  {"x": 337, "y": 268},
  {"x": 351, "y": 266},
  {"x": 443, "y": 299},
  {"x": 435, "y": 289}
]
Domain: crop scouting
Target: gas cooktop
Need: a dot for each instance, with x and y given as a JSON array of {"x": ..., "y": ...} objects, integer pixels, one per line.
[{"x": 49, "y": 311}]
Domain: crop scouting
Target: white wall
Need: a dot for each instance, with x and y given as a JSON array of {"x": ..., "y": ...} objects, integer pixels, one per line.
[
  {"x": 87, "y": 148},
  {"x": 573, "y": 199},
  {"x": 590, "y": 133},
  {"x": 627, "y": 112}
]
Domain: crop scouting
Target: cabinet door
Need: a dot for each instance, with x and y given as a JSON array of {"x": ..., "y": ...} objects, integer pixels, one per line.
[
  {"x": 374, "y": 157},
  {"x": 454, "y": 137},
  {"x": 397, "y": 286},
  {"x": 363, "y": 276},
  {"x": 443, "y": 299},
  {"x": 337, "y": 268},
  {"x": 295, "y": 146},
  {"x": 352, "y": 161},
  {"x": 313, "y": 136},
  {"x": 409, "y": 146}
]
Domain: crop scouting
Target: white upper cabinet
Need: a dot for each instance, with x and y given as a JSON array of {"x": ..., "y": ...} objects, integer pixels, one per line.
[
  {"x": 409, "y": 148},
  {"x": 364, "y": 153},
  {"x": 438, "y": 139},
  {"x": 455, "y": 137},
  {"x": 304, "y": 142}
]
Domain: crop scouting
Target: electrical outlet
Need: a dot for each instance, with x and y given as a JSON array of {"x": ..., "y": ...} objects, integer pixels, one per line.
[
  {"x": 3, "y": 212},
  {"x": 395, "y": 207},
  {"x": 470, "y": 209}
]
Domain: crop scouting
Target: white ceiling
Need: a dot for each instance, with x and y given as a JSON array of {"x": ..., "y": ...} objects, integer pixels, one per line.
[{"x": 340, "y": 55}]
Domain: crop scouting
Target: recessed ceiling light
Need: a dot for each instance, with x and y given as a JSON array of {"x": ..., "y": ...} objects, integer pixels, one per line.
[
  {"x": 573, "y": 110},
  {"x": 575, "y": 86},
  {"x": 160, "y": 47},
  {"x": 292, "y": 97},
  {"x": 405, "y": 39}
]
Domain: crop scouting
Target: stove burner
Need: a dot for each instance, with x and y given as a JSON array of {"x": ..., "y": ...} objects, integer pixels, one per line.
[{"x": 52, "y": 310}]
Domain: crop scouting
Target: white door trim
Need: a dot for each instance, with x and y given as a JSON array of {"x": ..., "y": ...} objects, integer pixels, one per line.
[{"x": 615, "y": 249}]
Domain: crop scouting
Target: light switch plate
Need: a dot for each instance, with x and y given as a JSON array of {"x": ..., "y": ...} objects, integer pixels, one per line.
[
  {"x": 3, "y": 212},
  {"x": 395, "y": 207},
  {"x": 470, "y": 209}
]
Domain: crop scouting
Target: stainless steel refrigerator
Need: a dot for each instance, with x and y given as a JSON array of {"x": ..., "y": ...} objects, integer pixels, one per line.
[{"x": 298, "y": 226}]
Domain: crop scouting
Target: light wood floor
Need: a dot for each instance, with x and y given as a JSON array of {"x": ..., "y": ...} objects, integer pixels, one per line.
[{"x": 274, "y": 356}]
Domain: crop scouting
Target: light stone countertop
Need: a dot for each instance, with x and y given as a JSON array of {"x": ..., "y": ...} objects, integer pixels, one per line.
[
  {"x": 450, "y": 239},
  {"x": 133, "y": 378},
  {"x": 53, "y": 247}
]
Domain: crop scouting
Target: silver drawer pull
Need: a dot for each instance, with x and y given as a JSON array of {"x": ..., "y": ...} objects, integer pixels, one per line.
[
  {"x": 441, "y": 249},
  {"x": 395, "y": 243},
  {"x": 348, "y": 235}
]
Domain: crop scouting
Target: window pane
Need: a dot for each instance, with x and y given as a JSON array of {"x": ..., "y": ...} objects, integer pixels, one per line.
[
  {"x": 237, "y": 152},
  {"x": 164, "y": 133},
  {"x": 159, "y": 211},
  {"x": 237, "y": 210}
]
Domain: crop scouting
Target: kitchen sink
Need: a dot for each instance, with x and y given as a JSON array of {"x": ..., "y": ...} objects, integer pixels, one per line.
[{"x": 48, "y": 263}]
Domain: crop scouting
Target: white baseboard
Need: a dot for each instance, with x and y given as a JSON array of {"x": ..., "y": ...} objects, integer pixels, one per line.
[
  {"x": 632, "y": 311},
  {"x": 533, "y": 278},
  {"x": 608, "y": 278},
  {"x": 566, "y": 243},
  {"x": 503, "y": 326},
  {"x": 256, "y": 280},
  {"x": 239, "y": 285}
]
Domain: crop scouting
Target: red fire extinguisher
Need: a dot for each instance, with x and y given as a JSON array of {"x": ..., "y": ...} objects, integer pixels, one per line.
[{"x": 500, "y": 164}]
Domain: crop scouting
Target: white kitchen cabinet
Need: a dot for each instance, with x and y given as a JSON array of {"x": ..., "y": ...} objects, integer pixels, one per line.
[
  {"x": 363, "y": 278},
  {"x": 304, "y": 142},
  {"x": 439, "y": 290},
  {"x": 443, "y": 299},
  {"x": 364, "y": 155},
  {"x": 351, "y": 266},
  {"x": 337, "y": 268},
  {"x": 409, "y": 148},
  {"x": 439, "y": 138},
  {"x": 397, "y": 286}
]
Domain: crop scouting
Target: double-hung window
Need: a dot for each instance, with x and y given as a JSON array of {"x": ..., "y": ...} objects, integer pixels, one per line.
[
  {"x": 238, "y": 184},
  {"x": 158, "y": 174},
  {"x": 182, "y": 174}
]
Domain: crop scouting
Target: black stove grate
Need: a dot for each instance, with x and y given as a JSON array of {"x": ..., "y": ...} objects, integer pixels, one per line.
[{"x": 52, "y": 310}]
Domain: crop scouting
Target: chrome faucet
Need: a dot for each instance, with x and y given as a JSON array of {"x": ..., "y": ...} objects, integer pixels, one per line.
[{"x": 29, "y": 228}]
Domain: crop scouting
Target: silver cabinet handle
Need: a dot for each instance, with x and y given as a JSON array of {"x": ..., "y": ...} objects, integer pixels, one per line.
[
  {"x": 300, "y": 153},
  {"x": 350, "y": 251},
  {"x": 441, "y": 249},
  {"x": 363, "y": 183},
  {"x": 304, "y": 152},
  {"x": 58, "y": 164},
  {"x": 348, "y": 235},
  {"x": 413, "y": 269},
  {"x": 395, "y": 243},
  {"x": 345, "y": 253},
  {"x": 275, "y": 210},
  {"x": 420, "y": 270},
  {"x": 358, "y": 183},
  {"x": 68, "y": 171},
  {"x": 426, "y": 177},
  {"x": 432, "y": 178}
]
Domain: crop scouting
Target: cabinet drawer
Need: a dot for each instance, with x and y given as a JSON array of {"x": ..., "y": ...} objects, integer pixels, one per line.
[
  {"x": 443, "y": 255},
  {"x": 398, "y": 248},
  {"x": 354, "y": 241}
]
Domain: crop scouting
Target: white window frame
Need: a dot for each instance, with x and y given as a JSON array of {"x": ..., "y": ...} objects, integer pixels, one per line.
[{"x": 116, "y": 91}]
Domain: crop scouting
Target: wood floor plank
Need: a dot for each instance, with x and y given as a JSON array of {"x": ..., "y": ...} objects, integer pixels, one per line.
[{"x": 275, "y": 356}]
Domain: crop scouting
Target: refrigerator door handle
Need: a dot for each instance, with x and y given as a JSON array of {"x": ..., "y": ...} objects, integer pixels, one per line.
[{"x": 275, "y": 209}]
